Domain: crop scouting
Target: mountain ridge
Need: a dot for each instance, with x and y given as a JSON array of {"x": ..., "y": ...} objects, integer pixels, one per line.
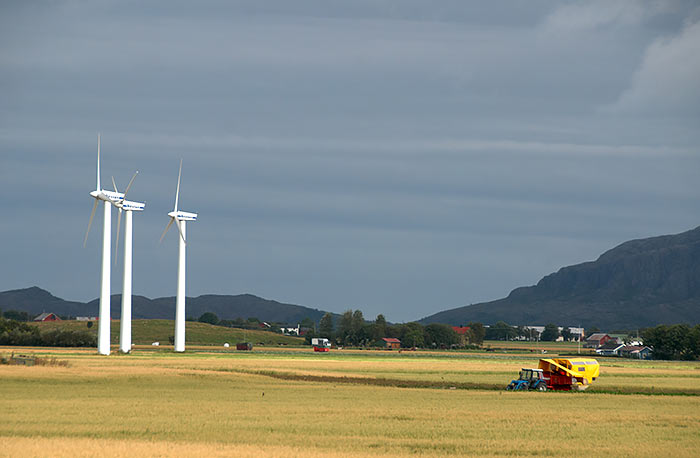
[
  {"x": 638, "y": 283},
  {"x": 35, "y": 300}
]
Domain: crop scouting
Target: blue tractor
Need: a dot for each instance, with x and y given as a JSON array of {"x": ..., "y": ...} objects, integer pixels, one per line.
[{"x": 530, "y": 379}]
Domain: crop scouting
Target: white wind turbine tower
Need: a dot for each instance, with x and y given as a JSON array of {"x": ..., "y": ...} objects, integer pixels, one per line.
[
  {"x": 109, "y": 198},
  {"x": 180, "y": 218},
  {"x": 127, "y": 206}
]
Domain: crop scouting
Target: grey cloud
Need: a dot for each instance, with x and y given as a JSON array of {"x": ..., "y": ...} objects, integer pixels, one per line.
[
  {"x": 397, "y": 156},
  {"x": 668, "y": 80}
]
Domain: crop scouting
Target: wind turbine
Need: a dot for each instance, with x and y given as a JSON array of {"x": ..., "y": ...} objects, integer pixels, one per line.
[
  {"x": 180, "y": 218},
  {"x": 109, "y": 198},
  {"x": 127, "y": 206}
]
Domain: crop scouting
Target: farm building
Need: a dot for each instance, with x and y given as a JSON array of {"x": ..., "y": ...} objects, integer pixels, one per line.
[
  {"x": 636, "y": 351},
  {"x": 47, "y": 317},
  {"x": 290, "y": 330},
  {"x": 461, "y": 330},
  {"x": 610, "y": 348},
  {"x": 391, "y": 343},
  {"x": 596, "y": 340}
]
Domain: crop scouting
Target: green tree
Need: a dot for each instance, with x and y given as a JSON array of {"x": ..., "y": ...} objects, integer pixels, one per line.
[
  {"x": 694, "y": 342},
  {"x": 413, "y": 338},
  {"x": 671, "y": 342},
  {"x": 345, "y": 327},
  {"x": 209, "y": 317},
  {"x": 412, "y": 335},
  {"x": 379, "y": 329},
  {"x": 325, "y": 327},
  {"x": 501, "y": 331},
  {"x": 566, "y": 334},
  {"x": 550, "y": 333},
  {"x": 308, "y": 323},
  {"x": 440, "y": 335},
  {"x": 17, "y": 315},
  {"x": 359, "y": 328},
  {"x": 477, "y": 332}
]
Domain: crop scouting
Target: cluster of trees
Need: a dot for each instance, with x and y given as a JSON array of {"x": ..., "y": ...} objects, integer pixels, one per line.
[
  {"x": 13, "y": 332},
  {"x": 352, "y": 329},
  {"x": 19, "y": 315},
  {"x": 16, "y": 315},
  {"x": 252, "y": 323},
  {"x": 503, "y": 331},
  {"x": 678, "y": 341},
  {"x": 249, "y": 323}
]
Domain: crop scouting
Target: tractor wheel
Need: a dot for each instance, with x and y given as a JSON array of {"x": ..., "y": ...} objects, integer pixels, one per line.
[
  {"x": 509, "y": 387},
  {"x": 542, "y": 387}
]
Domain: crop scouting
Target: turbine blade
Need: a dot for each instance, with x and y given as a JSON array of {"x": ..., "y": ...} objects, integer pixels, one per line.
[
  {"x": 166, "y": 229},
  {"x": 98, "y": 162},
  {"x": 116, "y": 248},
  {"x": 179, "y": 229},
  {"x": 177, "y": 192},
  {"x": 129, "y": 185},
  {"x": 92, "y": 214},
  {"x": 114, "y": 184}
]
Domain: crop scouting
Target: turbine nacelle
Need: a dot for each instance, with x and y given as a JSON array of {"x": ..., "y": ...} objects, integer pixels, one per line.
[
  {"x": 109, "y": 196},
  {"x": 177, "y": 215},
  {"x": 130, "y": 205},
  {"x": 183, "y": 216}
]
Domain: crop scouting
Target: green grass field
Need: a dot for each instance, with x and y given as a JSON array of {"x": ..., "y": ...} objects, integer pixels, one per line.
[
  {"x": 145, "y": 332},
  {"x": 273, "y": 402}
]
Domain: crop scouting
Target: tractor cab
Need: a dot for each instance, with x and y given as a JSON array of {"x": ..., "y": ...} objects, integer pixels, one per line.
[
  {"x": 531, "y": 375},
  {"x": 529, "y": 379}
]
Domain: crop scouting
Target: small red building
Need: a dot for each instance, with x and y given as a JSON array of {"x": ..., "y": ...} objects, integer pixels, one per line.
[
  {"x": 461, "y": 330},
  {"x": 47, "y": 317},
  {"x": 597, "y": 340},
  {"x": 391, "y": 343}
]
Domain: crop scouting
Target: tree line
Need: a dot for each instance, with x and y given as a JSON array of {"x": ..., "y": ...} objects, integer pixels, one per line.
[
  {"x": 673, "y": 342},
  {"x": 13, "y": 332},
  {"x": 351, "y": 329},
  {"x": 503, "y": 331}
]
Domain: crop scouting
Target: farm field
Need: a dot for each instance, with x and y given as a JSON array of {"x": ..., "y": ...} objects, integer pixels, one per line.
[{"x": 273, "y": 402}]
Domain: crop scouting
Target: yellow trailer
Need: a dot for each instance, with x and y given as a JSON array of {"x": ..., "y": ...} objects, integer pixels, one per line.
[{"x": 569, "y": 373}]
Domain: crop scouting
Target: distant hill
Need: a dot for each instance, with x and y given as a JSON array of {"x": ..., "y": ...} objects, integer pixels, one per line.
[
  {"x": 35, "y": 300},
  {"x": 639, "y": 283}
]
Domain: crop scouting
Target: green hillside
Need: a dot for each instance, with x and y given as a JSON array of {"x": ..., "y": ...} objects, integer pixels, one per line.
[{"x": 145, "y": 332}]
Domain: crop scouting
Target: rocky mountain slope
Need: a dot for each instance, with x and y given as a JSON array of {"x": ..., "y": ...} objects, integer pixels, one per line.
[{"x": 636, "y": 284}]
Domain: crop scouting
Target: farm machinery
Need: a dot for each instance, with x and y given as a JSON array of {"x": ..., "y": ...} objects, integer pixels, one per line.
[
  {"x": 561, "y": 374},
  {"x": 322, "y": 345}
]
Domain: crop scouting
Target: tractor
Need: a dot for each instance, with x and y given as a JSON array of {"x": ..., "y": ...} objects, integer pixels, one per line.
[
  {"x": 560, "y": 374},
  {"x": 530, "y": 379}
]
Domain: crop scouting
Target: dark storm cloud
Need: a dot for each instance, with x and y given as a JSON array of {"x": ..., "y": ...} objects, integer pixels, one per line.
[{"x": 401, "y": 157}]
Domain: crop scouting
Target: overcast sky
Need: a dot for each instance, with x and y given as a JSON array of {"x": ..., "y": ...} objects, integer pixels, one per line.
[{"x": 400, "y": 157}]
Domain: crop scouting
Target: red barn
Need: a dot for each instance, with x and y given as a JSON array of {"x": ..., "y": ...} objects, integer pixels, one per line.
[
  {"x": 47, "y": 317},
  {"x": 597, "y": 340},
  {"x": 461, "y": 330},
  {"x": 392, "y": 343}
]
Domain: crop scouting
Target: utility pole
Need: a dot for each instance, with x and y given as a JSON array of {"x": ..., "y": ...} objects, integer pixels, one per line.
[{"x": 579, "y": 338}]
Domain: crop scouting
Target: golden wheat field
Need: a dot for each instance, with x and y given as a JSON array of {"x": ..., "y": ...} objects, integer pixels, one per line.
[{"x": 297, "y": 403}]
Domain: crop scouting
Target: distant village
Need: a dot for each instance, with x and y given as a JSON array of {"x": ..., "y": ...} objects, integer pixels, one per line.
[{"x": 381, "y": 334}]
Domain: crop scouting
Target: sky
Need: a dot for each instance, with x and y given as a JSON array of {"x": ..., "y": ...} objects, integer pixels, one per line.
[{"x": 397, "y": 157}]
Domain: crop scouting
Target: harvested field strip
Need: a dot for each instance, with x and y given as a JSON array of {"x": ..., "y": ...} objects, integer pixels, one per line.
[{"x": 402, "y": 383}]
